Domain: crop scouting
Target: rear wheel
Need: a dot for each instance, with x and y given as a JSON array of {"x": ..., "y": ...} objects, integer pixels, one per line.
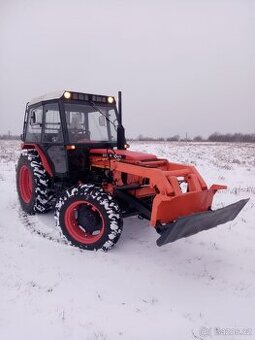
[
  {"x": 33, "y": 184},
  {"x": 89, "y": 217}
]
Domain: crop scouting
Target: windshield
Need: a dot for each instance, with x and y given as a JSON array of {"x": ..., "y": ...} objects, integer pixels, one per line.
[{"x": 91, "y": 123}]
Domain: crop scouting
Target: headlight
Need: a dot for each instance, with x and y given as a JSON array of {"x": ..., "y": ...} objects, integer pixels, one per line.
[
  {"x": 67, "y": 95},
  {"x": 110, "y": 100}
]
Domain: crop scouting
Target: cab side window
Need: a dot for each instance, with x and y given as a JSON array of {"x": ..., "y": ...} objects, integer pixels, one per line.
[
  {"x": 52, "y": 131},
  {"x": 34, "y": 124}
]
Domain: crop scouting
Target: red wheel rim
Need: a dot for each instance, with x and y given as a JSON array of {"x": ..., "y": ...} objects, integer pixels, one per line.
[
  {"x": 25, "y": 184},
  {"x": 76, "y": 231}
]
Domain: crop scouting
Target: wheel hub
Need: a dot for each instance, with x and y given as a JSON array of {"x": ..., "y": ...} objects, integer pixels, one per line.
[
  {"x": 84, "y": 222},
  {"x": 88, "y": 219}
]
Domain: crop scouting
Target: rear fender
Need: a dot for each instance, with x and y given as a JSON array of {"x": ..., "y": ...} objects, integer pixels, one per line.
[{"x": 42, "y": 155}]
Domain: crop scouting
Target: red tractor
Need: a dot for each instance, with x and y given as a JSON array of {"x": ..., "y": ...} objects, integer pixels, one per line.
[{"x": 74, "y": 158}]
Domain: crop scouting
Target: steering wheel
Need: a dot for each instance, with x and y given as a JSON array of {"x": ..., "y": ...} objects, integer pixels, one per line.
[{"x": 80, "y": 135}]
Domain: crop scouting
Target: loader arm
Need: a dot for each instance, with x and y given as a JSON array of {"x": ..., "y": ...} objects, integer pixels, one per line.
[
  {"x": 170, "y": 202},
  {"x": 162, "y": 180},
  {"x": 175, "y": 213}
]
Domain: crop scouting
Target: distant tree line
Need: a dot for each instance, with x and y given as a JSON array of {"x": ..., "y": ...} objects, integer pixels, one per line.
[
  {"x": 235, "y": 137},
  {"x": 9, "y": 137},
  {"x": 215, "y": 137}
]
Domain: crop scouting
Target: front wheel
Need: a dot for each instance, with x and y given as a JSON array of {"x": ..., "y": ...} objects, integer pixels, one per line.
[{"x": 89, "y": 217}]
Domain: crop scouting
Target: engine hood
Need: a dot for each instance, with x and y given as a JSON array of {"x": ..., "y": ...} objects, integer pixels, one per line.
[{"x": 125, "y": 154}]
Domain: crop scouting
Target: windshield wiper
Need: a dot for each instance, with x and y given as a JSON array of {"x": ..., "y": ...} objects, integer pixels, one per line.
[{"x": 103, "y": 114}]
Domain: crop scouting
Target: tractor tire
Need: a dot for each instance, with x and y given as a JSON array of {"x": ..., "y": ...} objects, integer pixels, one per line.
[
  {"x": 33, "y": 184},
  {"x": 89, "y": 217}
]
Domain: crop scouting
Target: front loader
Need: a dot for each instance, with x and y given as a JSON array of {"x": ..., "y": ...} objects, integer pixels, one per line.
[{"x": 74, "y": 158}]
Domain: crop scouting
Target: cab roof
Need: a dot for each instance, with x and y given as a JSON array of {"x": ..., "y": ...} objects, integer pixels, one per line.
[
  {"x": 73, "y": 95},
  {"x": 47, "y": 96}
]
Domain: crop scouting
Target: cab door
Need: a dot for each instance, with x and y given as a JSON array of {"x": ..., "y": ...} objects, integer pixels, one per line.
[{"x": 52, "y": 138}]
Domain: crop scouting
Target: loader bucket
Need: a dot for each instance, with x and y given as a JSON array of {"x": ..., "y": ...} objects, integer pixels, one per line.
[{"x": 193, "y": 224}]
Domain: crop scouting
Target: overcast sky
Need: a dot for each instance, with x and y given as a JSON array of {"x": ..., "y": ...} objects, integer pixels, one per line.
[{"x": 183, "y": 66}]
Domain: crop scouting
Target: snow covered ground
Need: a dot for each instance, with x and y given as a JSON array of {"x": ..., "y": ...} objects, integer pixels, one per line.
[{"x": 195, "y": 288}]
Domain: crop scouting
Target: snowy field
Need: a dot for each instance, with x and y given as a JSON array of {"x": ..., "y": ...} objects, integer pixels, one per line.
[{"x": 195, "y": 288}]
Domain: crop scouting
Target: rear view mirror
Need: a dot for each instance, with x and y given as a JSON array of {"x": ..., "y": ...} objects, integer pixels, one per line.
[
  {"x": 36, "y": 118},
  {"x": 32, "y": 118},
  {"x": 102, "y": 120}
]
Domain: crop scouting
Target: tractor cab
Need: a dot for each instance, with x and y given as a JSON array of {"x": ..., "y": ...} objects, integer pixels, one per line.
[{"x": 65, "y": 126}]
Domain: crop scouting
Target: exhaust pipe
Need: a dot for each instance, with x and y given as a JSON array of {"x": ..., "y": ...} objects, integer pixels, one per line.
[{"x": 121, "y": 140}]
